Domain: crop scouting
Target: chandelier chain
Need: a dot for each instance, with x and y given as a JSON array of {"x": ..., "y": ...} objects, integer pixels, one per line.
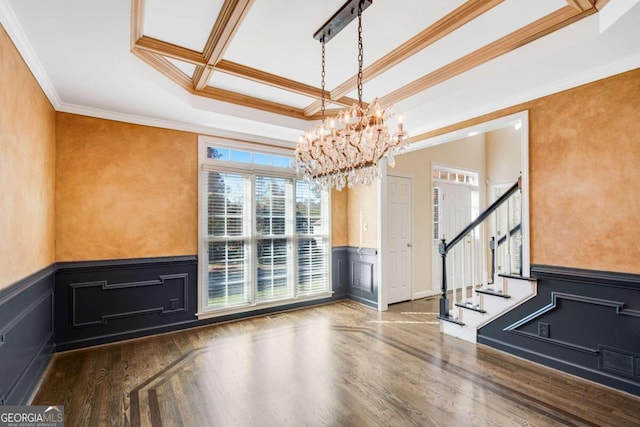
[
  {"x": 360, "y": 54},
  {"x": 323, "y": 80}
]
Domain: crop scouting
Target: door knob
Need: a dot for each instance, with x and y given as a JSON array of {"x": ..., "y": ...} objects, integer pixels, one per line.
[{"x": 409, "y": 245}]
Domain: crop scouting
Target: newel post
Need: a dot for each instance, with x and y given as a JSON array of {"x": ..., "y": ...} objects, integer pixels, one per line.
[{"x": 444, "y": 301}]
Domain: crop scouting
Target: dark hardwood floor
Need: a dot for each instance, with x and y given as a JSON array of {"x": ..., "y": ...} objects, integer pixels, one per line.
[{"x": 336, "y": 365}]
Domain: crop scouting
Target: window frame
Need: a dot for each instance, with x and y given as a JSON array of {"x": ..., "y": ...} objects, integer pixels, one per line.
[{"x": 251, "y": 171}]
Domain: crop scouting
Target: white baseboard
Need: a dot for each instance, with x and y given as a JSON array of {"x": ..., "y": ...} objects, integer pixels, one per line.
[{"x": 423, "y": 294}]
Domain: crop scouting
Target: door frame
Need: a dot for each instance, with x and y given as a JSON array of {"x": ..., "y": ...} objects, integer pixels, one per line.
[
  {"x": 470, "y": 188},
  {"x": 521, "y": 119}
]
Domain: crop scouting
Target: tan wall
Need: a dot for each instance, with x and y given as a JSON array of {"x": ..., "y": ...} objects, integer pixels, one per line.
[
  {"x": 584, "y": 156},
  {"x": 362, "y": 202},
  {"x": 503, "y": 155},
  {"x": 468, "y": 153},
  {"x": 123, "y": 190},
  {"x": 27, "y": 165},
  {"x": 339, "y": 227},
  {"x": 585, "y": 176}
]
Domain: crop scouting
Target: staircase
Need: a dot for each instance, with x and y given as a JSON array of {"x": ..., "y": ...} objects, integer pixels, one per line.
[
  {"x": 465, "y": 318},
  {"x": 475, "y": 302}
]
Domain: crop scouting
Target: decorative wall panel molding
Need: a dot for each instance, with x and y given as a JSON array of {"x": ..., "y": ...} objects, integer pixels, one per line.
[
  {"x": 106, "y": 301},
  {"x": 591, "y": 325},
  {"x": 119, "y": 299},
  {"x": 340, "y": 270},
  {"x": 26, "y": 335},
  {"x": 355, "y": 274}
]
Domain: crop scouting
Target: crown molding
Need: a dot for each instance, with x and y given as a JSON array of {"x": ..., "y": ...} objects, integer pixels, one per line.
[
  {"x": 172, "y": 125},
  {"x": 11, "y": 24}
]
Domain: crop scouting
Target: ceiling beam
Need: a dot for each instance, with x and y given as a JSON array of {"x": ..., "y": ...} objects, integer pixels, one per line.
[
  {"x": 459, "y": 17},
  {"x": 227, "y": 23},
  {"x": 600, "y": 4},
  {"x": 581, "y": 5},
  {"x": 274, "y": 80},
  {"x": 251, "y": 102},
  {"x": 171, "y": 50},
  {"x": 535, "y": 30},
  {"x": 161, "y": 64},
  {"x": 137, "y": 20}
]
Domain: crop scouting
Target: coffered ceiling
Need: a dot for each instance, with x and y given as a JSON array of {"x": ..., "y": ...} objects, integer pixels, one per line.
[{"x": 252, "y": 67}]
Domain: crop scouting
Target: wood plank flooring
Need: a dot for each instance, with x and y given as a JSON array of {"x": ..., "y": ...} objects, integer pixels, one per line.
[{"x": 341, "y": 364}]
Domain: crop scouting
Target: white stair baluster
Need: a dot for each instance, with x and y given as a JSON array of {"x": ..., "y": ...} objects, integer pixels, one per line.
[
  {"x": 463, "y": 270},
  {"x": 473, "y": 268},
  {"x": 496, "y": 233},
  {"x": 508, "y": 235},
  {"x": 483, "y": 254},
  {"x": 453, "y": 278}
]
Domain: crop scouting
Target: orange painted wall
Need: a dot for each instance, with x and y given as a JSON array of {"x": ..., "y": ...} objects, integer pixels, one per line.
[
  {"x": 27, "y": 166},
  {"x": 585, "y": 176},
  {"x": 584, "y": 163},
  {"x": 339, "y": 225},
  {"x": 362, "y": 215},
  {"x": 124, "y": 190}
]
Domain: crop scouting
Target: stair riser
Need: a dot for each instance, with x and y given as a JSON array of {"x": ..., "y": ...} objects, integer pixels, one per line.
[{"x": 518, "y": 290}]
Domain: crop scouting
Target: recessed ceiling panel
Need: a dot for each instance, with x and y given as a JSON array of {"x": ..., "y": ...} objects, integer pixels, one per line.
[
  {"x": 271, "y": 39},
  {"x": 185, "y": 67},
  {"x": 185, "y": 23},
  {"x": 258, "y": 90},
  {"x": 489, "y": 27}
]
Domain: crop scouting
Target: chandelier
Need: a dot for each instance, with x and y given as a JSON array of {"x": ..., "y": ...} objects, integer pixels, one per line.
[{"x": 348, "y": 151}]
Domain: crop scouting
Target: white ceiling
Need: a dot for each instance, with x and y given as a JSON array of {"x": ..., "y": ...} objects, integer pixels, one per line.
[{"x": 80, "y": 51}]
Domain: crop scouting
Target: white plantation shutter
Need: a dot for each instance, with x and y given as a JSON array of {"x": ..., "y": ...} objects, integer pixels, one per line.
[
  {"x": 274, "y": 238},
  {"x": 227, "y": 238},
  {"x": 312, "y": 240}
]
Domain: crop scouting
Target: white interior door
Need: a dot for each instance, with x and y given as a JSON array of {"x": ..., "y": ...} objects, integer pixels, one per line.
[
  {"x": 399, "y": 248},
  {"x": 455, "y": 214}
]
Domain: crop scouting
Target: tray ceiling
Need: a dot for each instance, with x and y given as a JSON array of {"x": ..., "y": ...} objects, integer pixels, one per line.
[{"x": 253, "y": 66}]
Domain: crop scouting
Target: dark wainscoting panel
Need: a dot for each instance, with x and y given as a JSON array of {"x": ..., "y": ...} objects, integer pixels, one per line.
[
  {"x": 355, "y": 274},
  {"x": 583, "y": 322},
  {"x": 26, "y": 335},
  {"x": 340, "y": 270},
  {"x": 105, "y": 301},
  {"x": 363, "y": 275}
]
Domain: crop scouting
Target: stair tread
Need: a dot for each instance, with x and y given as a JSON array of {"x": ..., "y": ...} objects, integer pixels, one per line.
[
  {"x": 494, "y": 293},
  {"x": 450, "y": 319},
  {"x": 470, "y": 307},
  {"x": 516, "y": 276}
]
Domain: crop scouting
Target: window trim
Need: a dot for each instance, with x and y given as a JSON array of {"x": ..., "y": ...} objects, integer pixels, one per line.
[{"x": 207, "y": 164}]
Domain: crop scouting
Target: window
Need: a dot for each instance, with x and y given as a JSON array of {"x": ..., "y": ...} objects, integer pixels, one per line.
[
  {"x": 436, "y": 213},
  {"x": 226, "y": 238},
  {"x": 443, "y": 173},
  {"x": 313, "y": 240},
  {"x": 264, "y": 233},
  {"x": 244, "y": 156}
]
